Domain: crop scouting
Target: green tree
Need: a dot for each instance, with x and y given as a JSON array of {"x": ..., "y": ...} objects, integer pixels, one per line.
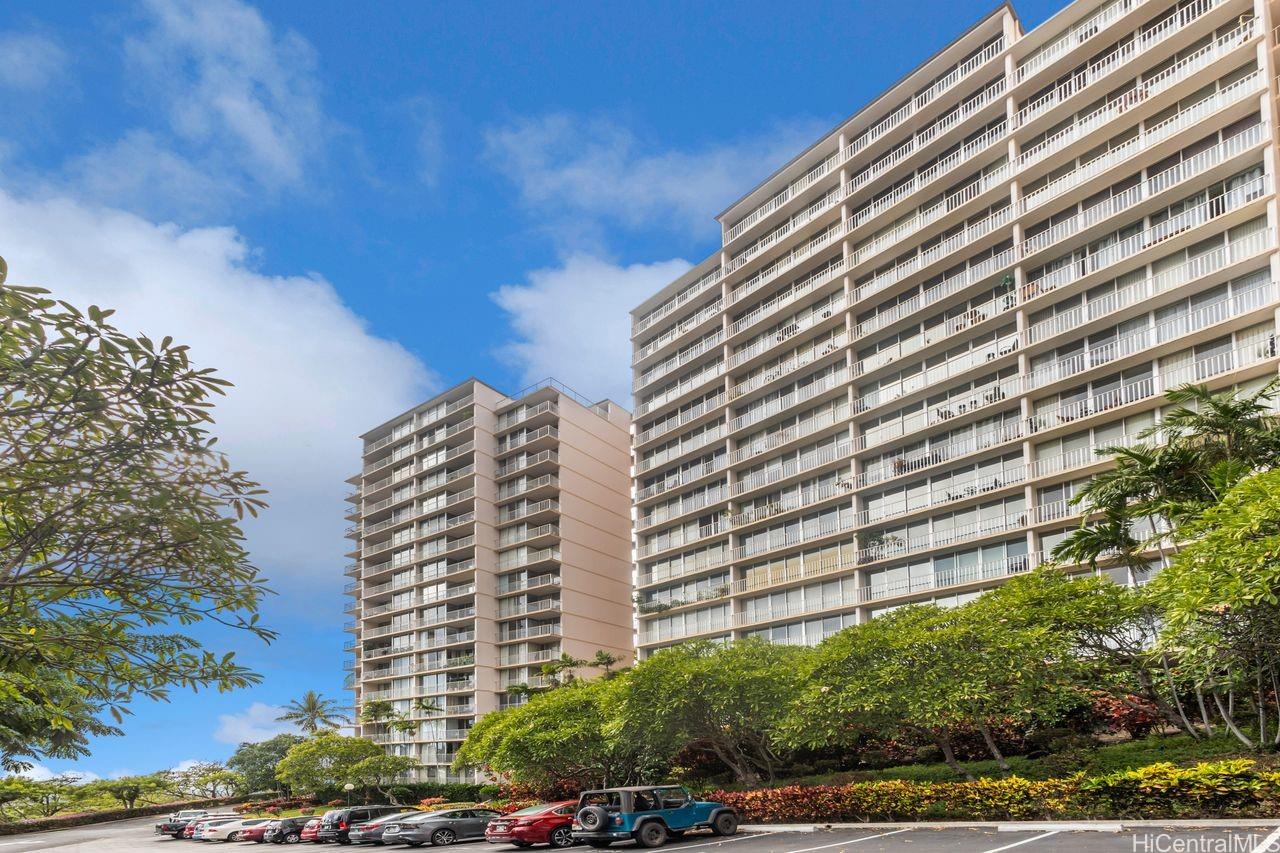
[
  {"x": 256, "y": 762},
  {"x": 1221, "y": 600},
  {"x": 723, "y": 700},
  {"x": 14, "y": 792},
  {"x": 48, "y": 797},
  {"x": 206, "y": 780},
  {"x": 118, "y": 517},
  {"x": 326, "y": 760},
  {"x": 381, "y": 771},
  {"x": 1204, "y": 447},
  {"x": 562, "y": 670},
  {"x": 605, "y": 661},
  {"x": 381, "y": 712},
  {"x": 128, "y": 791},
  {"x": 312, "y": 713},
  {"x": 925, "y": 671},
  {"x": 571, "y": 737}
]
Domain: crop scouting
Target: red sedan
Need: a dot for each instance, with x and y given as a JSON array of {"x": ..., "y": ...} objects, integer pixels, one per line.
[
  {"x": 253, "y": 833},
  {"x": 311, "y": 831},
  {"x": 544, "y": 824}
]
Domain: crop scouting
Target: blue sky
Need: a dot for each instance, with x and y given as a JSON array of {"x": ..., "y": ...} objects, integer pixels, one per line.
[{"x": 346, "y": 206}]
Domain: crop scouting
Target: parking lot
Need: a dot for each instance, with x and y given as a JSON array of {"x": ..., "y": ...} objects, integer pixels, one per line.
[{"x": 136, "y": 836}]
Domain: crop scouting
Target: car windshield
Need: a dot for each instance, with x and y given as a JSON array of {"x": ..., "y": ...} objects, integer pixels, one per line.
[
  {"x": 331, "y": 814},
  {"x": 397, "y": 816},
  {"x": 420, "y": 816}
]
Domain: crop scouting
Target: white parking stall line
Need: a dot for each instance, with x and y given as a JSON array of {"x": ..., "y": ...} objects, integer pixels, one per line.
[
  {"x": 695, "y": 847},
  {"x": 1270, "y": 844},
  {"x": 848, "y": 841},
  {"x": 1040, "y": 837}
]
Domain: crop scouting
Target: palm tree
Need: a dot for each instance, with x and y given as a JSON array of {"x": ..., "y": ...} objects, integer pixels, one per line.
[
  {"x": 561, "y": 670},
  {"x": 377, "y": 711},
  {"x": 312, "y": 712},
  {"x": 605, "y": 661}
]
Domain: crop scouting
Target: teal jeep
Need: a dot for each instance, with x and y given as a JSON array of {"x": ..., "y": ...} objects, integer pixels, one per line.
[{"x": 648, "y": 813}]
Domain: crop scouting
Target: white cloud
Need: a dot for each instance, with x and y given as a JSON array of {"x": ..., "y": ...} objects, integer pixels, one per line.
[
  {"x": 233, "y": 115},
  {"x": 230, "y": 82},
  {"x": 40, "y": 773},
  {"x": 37, "y": 773},
  {"x": 573, "y": 321},
  {"x": 256, "y": 723},
  {"x": 428, "y": 141},
  {"x": 572, "y": 167},
  {"x": 309, "y": 374},
  {"x": 30, "y": 62},
  {"x": 141, "y": 172},
  {"x": 185, "y": 764}
]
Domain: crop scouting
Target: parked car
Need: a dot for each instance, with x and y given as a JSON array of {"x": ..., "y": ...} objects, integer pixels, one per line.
[
  {"x": 286, "y": 830},
  {"x": 255, "y": 833},
  {"x": 176, "y": 822},
  {"x": 371, "y": 831},
  {"x": 335, "y": 825},
  {"x": 311, "y": 831},
  {"x": 231, "y": 830},
  {"x": 648, "y": 814},
  {"x": 205, "y": 824},
  {"x": 549, "y": 823},
  {"x": 439, "y": 828}
]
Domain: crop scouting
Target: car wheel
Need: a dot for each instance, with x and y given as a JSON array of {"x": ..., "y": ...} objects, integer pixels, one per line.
[
  {"x": 292, "y": 838},
  {"x": 599, "y": 843},
  {"x": 726, "y": 823},
  {"x": 443, "y": 837},
  {"x": 561, "y": 837},
  {"x": 651, "y": 834},
  {"x": 233, "y": 836}
]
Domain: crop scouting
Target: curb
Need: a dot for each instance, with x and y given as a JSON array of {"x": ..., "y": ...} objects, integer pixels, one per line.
[{"x": 1018, "y": 826}]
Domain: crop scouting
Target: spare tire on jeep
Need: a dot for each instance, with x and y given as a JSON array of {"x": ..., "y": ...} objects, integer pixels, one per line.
[{"x": 593, "y": 818}]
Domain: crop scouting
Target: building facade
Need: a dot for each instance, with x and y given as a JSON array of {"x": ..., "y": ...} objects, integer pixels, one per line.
[
  {"x": 891, "y": 379},
  {"x": 491, "y": 535}
]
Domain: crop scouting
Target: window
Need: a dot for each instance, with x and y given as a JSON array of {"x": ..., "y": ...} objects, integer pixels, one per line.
[{"x": 673, "y": 798}]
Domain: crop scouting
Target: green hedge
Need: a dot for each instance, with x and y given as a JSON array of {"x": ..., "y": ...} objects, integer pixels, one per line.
[
  {"x": 1211, "y": 789},
  {"x": 66, "y": 821}
]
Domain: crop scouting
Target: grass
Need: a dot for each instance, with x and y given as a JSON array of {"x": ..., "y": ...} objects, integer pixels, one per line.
[{"x": 1179, "y": 749}]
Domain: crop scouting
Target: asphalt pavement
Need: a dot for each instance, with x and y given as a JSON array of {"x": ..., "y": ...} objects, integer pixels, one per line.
[{"x": 136, "y": 835}]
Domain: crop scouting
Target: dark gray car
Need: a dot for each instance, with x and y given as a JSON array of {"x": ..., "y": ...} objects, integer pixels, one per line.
[
  {"x": 371, "y": 831},
  {"x": 439, "y": 828}
]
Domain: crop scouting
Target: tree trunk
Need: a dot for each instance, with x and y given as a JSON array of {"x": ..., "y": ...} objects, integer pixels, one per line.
[
  {"x": 1204, "y": 712},
  {"x": 993, "y": 747},
  {"x": 1262, "y": 711},
  {"x": 1173, "y": 690},
  {"x": 1275, "y": 690},
  {"x": 943, "y": 742},
  {"x": 742, "y": 769},
  {"x": 1231, "y": 725}
]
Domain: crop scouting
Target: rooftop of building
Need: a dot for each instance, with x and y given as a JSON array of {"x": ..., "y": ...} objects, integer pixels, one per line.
[{"x": 455, "y": 391}]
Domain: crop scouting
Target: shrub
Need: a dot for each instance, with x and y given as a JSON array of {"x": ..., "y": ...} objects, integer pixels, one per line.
[
  {"x": 1167, "y": 790},
  {"x": 1211, "y": 789}
]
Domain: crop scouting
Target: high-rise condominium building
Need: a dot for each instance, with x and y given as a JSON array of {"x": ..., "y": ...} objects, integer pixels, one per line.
[
  {"x": 492, "y": 534},
  {"x": 891, "y": 379}
]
